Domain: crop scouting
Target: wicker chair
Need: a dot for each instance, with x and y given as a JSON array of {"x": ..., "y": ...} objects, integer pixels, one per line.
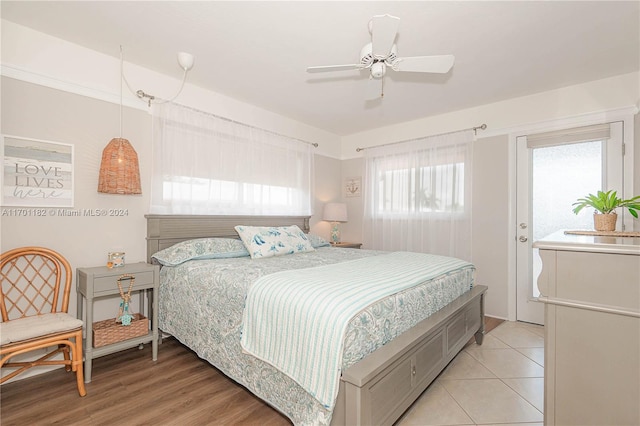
[{"x": 33, "y": 316}]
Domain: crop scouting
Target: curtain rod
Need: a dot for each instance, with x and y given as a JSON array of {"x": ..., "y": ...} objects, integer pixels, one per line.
[
  {"x": 314, "y": 144},
  {"x": 481, "y": 127}
]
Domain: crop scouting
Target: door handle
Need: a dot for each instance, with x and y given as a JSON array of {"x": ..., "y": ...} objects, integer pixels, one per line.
[{"x": 523, "y": 239}]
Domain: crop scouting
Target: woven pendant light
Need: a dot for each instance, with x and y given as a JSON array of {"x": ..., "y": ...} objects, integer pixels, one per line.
[{"x": 119, "y": 170}]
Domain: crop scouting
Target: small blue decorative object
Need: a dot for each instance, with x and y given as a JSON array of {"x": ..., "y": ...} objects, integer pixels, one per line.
[
  {"x": 123, "y": 313},
  {"x": 126, "y": 319}
]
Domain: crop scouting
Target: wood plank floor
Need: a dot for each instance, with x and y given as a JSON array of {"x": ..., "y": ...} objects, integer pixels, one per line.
[{"x": 127, "y": 388}]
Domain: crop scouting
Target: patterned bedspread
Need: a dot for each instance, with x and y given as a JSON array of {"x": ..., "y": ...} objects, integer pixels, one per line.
[
  {"x": 295, "y": 320},
  {"x": 201, "y": 303}
]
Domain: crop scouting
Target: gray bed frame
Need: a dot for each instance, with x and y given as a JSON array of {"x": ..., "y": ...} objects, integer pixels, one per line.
[{"x": 379, "y": 388}]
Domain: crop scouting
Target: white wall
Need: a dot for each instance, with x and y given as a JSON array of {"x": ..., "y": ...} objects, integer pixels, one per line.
[
  {"x": 352, "y": 230},
  {"x": 490, "y": 224},
  {"x": 327, "y": 189},
  {"x": 636, "y": 162}
]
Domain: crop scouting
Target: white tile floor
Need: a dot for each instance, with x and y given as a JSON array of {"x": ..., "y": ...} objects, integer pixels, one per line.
[{"x": 499, "y": 382}]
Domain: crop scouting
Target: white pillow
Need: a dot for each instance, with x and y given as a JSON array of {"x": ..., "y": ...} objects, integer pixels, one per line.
[{"x": 267, "y": 241}]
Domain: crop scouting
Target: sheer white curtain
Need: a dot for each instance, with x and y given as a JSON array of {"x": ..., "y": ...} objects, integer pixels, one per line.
[
  {"x": 418, "y": 195},
  {"x": 204, "y": 164}
]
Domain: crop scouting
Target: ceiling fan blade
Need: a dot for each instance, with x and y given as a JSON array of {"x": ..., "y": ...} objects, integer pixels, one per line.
[
  {"x": 329, "y": 68},
  {"x": 373, "y": 90},
  {"x": 436, "y": 64},
  {"x": 383, "y": 32}
]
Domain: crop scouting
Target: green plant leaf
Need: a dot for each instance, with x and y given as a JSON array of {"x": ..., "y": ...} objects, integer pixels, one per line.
[{"x": 607, "y": 202}]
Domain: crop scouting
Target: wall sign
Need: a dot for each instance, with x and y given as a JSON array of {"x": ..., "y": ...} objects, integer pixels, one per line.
[
  {"x": 36, "y": 173},
  {"x": 353, "y": 187}
]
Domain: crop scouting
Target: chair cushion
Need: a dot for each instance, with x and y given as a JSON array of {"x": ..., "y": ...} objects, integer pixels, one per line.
[{"x": 36, "y": 326}]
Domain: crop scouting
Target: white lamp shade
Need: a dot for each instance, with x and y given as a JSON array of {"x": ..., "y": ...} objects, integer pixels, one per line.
[{"x": 335, "y": 212}]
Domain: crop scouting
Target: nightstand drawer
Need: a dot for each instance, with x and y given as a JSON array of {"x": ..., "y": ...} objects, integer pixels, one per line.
[
  {"x": 347, "y": 245},
  {"x": 101, "y": 281},
  {"x": 109, "y": 283}
]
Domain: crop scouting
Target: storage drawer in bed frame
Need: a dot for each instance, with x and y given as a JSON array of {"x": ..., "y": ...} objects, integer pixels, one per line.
[{"x": 378, "y": 389}]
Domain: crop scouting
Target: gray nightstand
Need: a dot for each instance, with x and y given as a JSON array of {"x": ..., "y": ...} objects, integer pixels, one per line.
[
  {"x": 347, "y": 245},
  {"x": 101, "y": 282}
]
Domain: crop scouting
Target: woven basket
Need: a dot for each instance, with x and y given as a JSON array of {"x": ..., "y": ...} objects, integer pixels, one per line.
[
  {"x": 605, "y": 222},
  {"x": 109, "y": 331}
]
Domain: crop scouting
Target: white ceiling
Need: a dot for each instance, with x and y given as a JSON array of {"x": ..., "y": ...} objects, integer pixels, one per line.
[{"x": 257, "y": 52}]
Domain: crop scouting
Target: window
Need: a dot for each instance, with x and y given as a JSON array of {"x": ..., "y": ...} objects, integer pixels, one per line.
[
  {"x": 205, "y": 164},
  {"x": 418, "y": 195},
  {"x": 423, "y": 181},
  {"x": 429, "y": 189}
]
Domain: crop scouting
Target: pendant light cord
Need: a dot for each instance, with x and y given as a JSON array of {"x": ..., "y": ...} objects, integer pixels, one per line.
[{"x": 121, "y": 78}]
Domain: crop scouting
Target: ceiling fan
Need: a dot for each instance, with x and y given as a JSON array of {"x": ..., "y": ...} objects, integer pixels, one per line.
[{"x": 381, "y": 54}]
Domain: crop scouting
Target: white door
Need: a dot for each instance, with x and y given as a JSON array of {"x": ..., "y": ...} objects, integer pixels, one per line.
[{"x": 553, "y": 170}]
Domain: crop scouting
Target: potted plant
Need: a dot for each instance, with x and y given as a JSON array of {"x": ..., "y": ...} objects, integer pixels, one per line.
[{"x": 605, "y": 204}]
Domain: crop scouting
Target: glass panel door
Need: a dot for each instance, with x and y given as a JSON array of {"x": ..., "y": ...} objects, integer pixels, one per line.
[
  {"x": 559, "y": 176},
  {"x": 549, "y": 180}
]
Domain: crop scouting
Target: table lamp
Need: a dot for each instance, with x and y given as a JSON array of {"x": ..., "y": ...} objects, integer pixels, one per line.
[{"x": 335, "y": 213}]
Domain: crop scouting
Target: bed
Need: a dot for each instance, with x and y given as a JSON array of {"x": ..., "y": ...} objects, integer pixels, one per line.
[{"x": 388, "y": 357}]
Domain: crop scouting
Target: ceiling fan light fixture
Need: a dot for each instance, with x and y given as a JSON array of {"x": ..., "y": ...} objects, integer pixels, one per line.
[{"x": 378, "y": 69}]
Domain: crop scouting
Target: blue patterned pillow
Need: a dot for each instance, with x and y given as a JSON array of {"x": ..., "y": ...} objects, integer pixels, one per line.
[
  {"x": 317, "y": 241},
  {"x": 265, "y": 241},
  {"x": 201, "y": 248}
]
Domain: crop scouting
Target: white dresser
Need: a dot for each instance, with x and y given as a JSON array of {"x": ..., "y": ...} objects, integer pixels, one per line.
[{"x": 591, "y": 289}]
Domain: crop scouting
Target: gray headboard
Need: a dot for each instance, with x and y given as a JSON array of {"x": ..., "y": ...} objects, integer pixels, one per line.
[{"x": 166, "y": 230}]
